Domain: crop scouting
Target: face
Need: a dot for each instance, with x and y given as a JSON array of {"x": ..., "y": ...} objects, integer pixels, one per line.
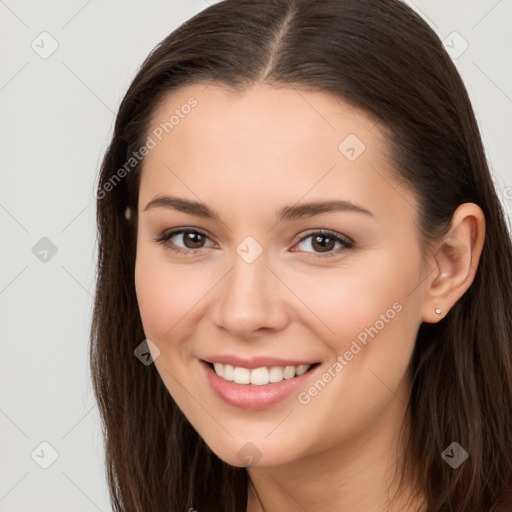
[{"x": 274, "y": 242}]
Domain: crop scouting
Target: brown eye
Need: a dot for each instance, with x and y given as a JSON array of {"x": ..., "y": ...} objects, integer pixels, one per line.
[
  {"x": 184, "y": 241},
  {"x": 193, "y": 240},
  {"x": 324, "y": 243}
]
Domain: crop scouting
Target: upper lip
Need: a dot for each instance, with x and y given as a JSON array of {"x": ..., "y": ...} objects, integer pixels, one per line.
[{"x": 255, "y": 362}]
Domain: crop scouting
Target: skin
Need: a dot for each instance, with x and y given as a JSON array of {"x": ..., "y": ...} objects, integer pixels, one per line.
[{"x": 247, "y": 155}]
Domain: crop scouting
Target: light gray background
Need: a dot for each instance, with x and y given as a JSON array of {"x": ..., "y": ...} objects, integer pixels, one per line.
[{"x": 56, "y": 119}]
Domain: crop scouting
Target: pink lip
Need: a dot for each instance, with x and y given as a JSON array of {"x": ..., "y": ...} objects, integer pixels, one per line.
[
  {"x": 254, "y": 362},
  {"x": 251, "y": 397}
]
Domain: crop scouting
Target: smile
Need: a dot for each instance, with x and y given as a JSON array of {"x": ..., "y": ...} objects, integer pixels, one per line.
[
  {"x": 259, "y": 376},
  {"x": 259, "y": 386}
]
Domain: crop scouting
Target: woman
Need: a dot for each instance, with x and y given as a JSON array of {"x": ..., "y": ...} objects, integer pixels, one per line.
[{"x": 304, "y": 275}]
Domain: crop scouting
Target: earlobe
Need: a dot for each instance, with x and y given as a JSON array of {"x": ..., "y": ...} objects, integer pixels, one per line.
[
  {"x": 128, "y": 213},
  {"x": 455, "y": 262}
]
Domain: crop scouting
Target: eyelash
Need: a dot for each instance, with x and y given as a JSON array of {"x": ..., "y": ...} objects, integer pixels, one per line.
[{"x": 164, "y": 238}]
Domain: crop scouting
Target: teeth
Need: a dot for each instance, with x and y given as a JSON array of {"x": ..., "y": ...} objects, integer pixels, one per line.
[
  {"x": 259, "y": 376},
  {"x": 227, "y": 371},
  {"x": 289, "y": 372},
  {"x": 303, "y": 368},
  {"x": 275, "y": 374},
  {"x": 241, "y": 375},
  {"x": 218, "y": 369}
]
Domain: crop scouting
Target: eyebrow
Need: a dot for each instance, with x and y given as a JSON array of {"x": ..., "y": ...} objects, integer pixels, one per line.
[{"x": 285, "y": 214}]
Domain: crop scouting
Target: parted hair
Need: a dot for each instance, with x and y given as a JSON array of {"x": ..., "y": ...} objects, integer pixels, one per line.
[{"x": 381, "y": 57}]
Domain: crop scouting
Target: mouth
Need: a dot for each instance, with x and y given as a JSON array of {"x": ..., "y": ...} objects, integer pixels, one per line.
[
  {"x": 257, "y": 388},
  {"x": 262, "y": 376}
]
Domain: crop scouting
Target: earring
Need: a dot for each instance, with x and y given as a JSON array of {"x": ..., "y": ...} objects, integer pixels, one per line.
[{"x": 438, "y": 311}]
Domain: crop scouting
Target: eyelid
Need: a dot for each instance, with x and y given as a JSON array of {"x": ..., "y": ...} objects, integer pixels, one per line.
[
  {"x": 346, "y": 241},
  {"x": 169, "y": 233},
  {"x": 327, "y": 232}
]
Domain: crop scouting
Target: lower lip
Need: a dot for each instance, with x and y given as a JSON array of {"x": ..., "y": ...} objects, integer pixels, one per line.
[{"x": 248, "y": 396}]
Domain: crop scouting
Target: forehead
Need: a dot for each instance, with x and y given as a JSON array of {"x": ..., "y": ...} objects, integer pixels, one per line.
[
  {"x": 277, "y": 143},
  {"x": 278, "y": 116}
]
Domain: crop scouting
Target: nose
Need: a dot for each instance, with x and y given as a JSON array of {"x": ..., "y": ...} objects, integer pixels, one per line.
[{"x": 250, "y": 299}]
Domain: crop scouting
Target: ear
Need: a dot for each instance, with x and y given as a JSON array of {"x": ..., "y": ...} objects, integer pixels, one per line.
[
  {"x": 128, "y": 213},
  {"x": 455, "y": 261}
]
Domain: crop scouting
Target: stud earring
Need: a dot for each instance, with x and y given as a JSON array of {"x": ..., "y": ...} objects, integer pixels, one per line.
[{"x": 438, "y": 311}]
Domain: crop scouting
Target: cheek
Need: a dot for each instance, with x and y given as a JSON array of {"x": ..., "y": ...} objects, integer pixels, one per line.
[
  {"x": 354, "y": 299},
  {"x": 372, "y": 320},
  {"x": 164, "y": 294}
]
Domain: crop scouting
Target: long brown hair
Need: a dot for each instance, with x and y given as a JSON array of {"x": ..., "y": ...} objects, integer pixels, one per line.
[{"x": 383, "y": 58}]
